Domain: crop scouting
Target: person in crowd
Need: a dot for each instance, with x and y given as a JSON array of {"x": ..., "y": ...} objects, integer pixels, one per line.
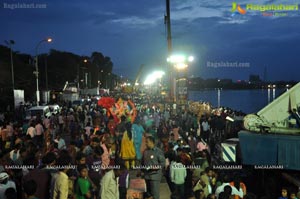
[
  {"x": 61, "y": 122},
  {"x": 226, "y": 181},
  {"x": 205, "y": 130},
  {"x": 137, "y": 134},
  {"x": 31, "y": 131},
  {"x": 11, "y": 193},
  {"x": 293, "y": 195},
  {"x": 127, "y": 152},
  {"x": 61, "y": 144},
  {"x": 39, "y": 133},
  {"x": 15, "y": 153},
  {"x": 104, "y": 138},
  {"x": 178, "y": 174},
  {"x": 123, "y": 181},
  {"x": 83, "y": 187},
  {"x": 89, "y": 148},
  {"x": 88, "y": 129},
  {"x": 5, "y": 183},
  {"x": 284, "y": 193},
  {"x": 111, "y": 125},
  {"x": 205, "y": 183},
  {"x": 42, "y": 175},
  {"x": 109, "y": 185},
  {"x": 60, "y": 180},
  {"x": 120, "y": 129},
  {"x": 46, "y": 123},
  {"x": 238, "y": 185},
  {"x": 154, "y": 161},
  {"x": 94, "y": 163},
  {"x": 30, "y": 188}
]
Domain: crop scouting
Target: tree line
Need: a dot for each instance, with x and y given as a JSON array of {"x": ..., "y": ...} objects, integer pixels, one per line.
[{"x": 55, "y": 68}]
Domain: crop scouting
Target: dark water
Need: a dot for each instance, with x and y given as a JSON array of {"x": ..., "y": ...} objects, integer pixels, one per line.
[{"x": 248, "y": 101}]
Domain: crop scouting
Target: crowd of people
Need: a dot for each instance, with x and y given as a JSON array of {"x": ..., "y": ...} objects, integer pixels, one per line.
[{"x": 83, "y": 152}]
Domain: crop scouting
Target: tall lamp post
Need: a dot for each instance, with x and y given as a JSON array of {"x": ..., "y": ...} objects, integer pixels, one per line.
[
  {"x": 37, "y": 69},
  {"x": 180, "y": 62}
]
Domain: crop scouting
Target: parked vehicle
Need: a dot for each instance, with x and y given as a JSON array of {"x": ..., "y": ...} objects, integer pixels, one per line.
[{"x": 41, "y": 111}]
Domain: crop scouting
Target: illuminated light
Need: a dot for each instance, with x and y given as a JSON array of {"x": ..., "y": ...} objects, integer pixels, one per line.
[
  {"x": 151, "y": 78},
  {"x": 274, "y": 86},
  {"x": 176, "y": 59},
  {"x": 190, "y": 58},
  {"x": 158, "y": 74},
  {"x": 181, "y": 66},
  {"x": 136, "y": 84}
]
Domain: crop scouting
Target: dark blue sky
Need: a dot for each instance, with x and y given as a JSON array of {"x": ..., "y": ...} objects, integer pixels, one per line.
[{"x": 132, "y": 32}]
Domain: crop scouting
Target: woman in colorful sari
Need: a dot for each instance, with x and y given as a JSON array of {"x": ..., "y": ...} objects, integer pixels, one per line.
[{"x": 127, "y": 152}]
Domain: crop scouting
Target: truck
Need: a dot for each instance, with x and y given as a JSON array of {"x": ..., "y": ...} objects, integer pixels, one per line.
[{"x": 70, "y": 92}]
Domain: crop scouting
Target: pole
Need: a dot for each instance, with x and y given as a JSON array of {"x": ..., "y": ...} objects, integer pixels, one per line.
[
  {"x": 78, "y": 77},
  {"x": 46, "y": 70},
  {"x": 37, "y": 69},
  {"x": 37, "y": 78},
  {"x": 169, "y": 39},
  {"x": 168, "y": 21}
]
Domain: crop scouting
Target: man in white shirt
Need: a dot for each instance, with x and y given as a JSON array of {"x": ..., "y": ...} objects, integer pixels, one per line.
[
  {"x": 234, "y": 190},
  {"x": 206, "y": 130},
  {"x": 31, "y": 130},
  {"x": 109, "y": 185},
  {"x": 39, "y": 133}
]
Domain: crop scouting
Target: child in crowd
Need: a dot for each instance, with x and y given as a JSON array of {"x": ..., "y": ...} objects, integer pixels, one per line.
[
  {"x": 284, "y": 193},
  {"x": 83, "y": 186},
  {"x": 293, "y": 195}
]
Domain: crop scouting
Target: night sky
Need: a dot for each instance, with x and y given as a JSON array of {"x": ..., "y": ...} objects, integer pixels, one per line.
[{"x": 132, "y": 32}]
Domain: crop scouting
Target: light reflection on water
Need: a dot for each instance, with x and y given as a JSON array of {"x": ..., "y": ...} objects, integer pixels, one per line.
[{"x": 248, "y": 101}]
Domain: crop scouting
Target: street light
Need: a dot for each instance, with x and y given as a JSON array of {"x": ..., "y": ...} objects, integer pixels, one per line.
[
  {"x": 180, "y": 62},
  {"x": 37, "y": 69}
]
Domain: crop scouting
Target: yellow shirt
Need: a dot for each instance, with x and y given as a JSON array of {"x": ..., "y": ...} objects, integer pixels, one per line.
[{"x": 60, "y": 186}]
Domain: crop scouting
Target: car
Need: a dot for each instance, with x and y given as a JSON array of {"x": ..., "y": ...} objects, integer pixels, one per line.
[{"x": 42, "y": 111}]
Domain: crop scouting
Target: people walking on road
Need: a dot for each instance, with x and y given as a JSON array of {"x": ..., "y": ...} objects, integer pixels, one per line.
[{"x": 154, "y": 162}]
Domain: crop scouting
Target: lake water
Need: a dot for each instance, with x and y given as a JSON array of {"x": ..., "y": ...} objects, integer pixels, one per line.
[{"x": 248, "y": 101}]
